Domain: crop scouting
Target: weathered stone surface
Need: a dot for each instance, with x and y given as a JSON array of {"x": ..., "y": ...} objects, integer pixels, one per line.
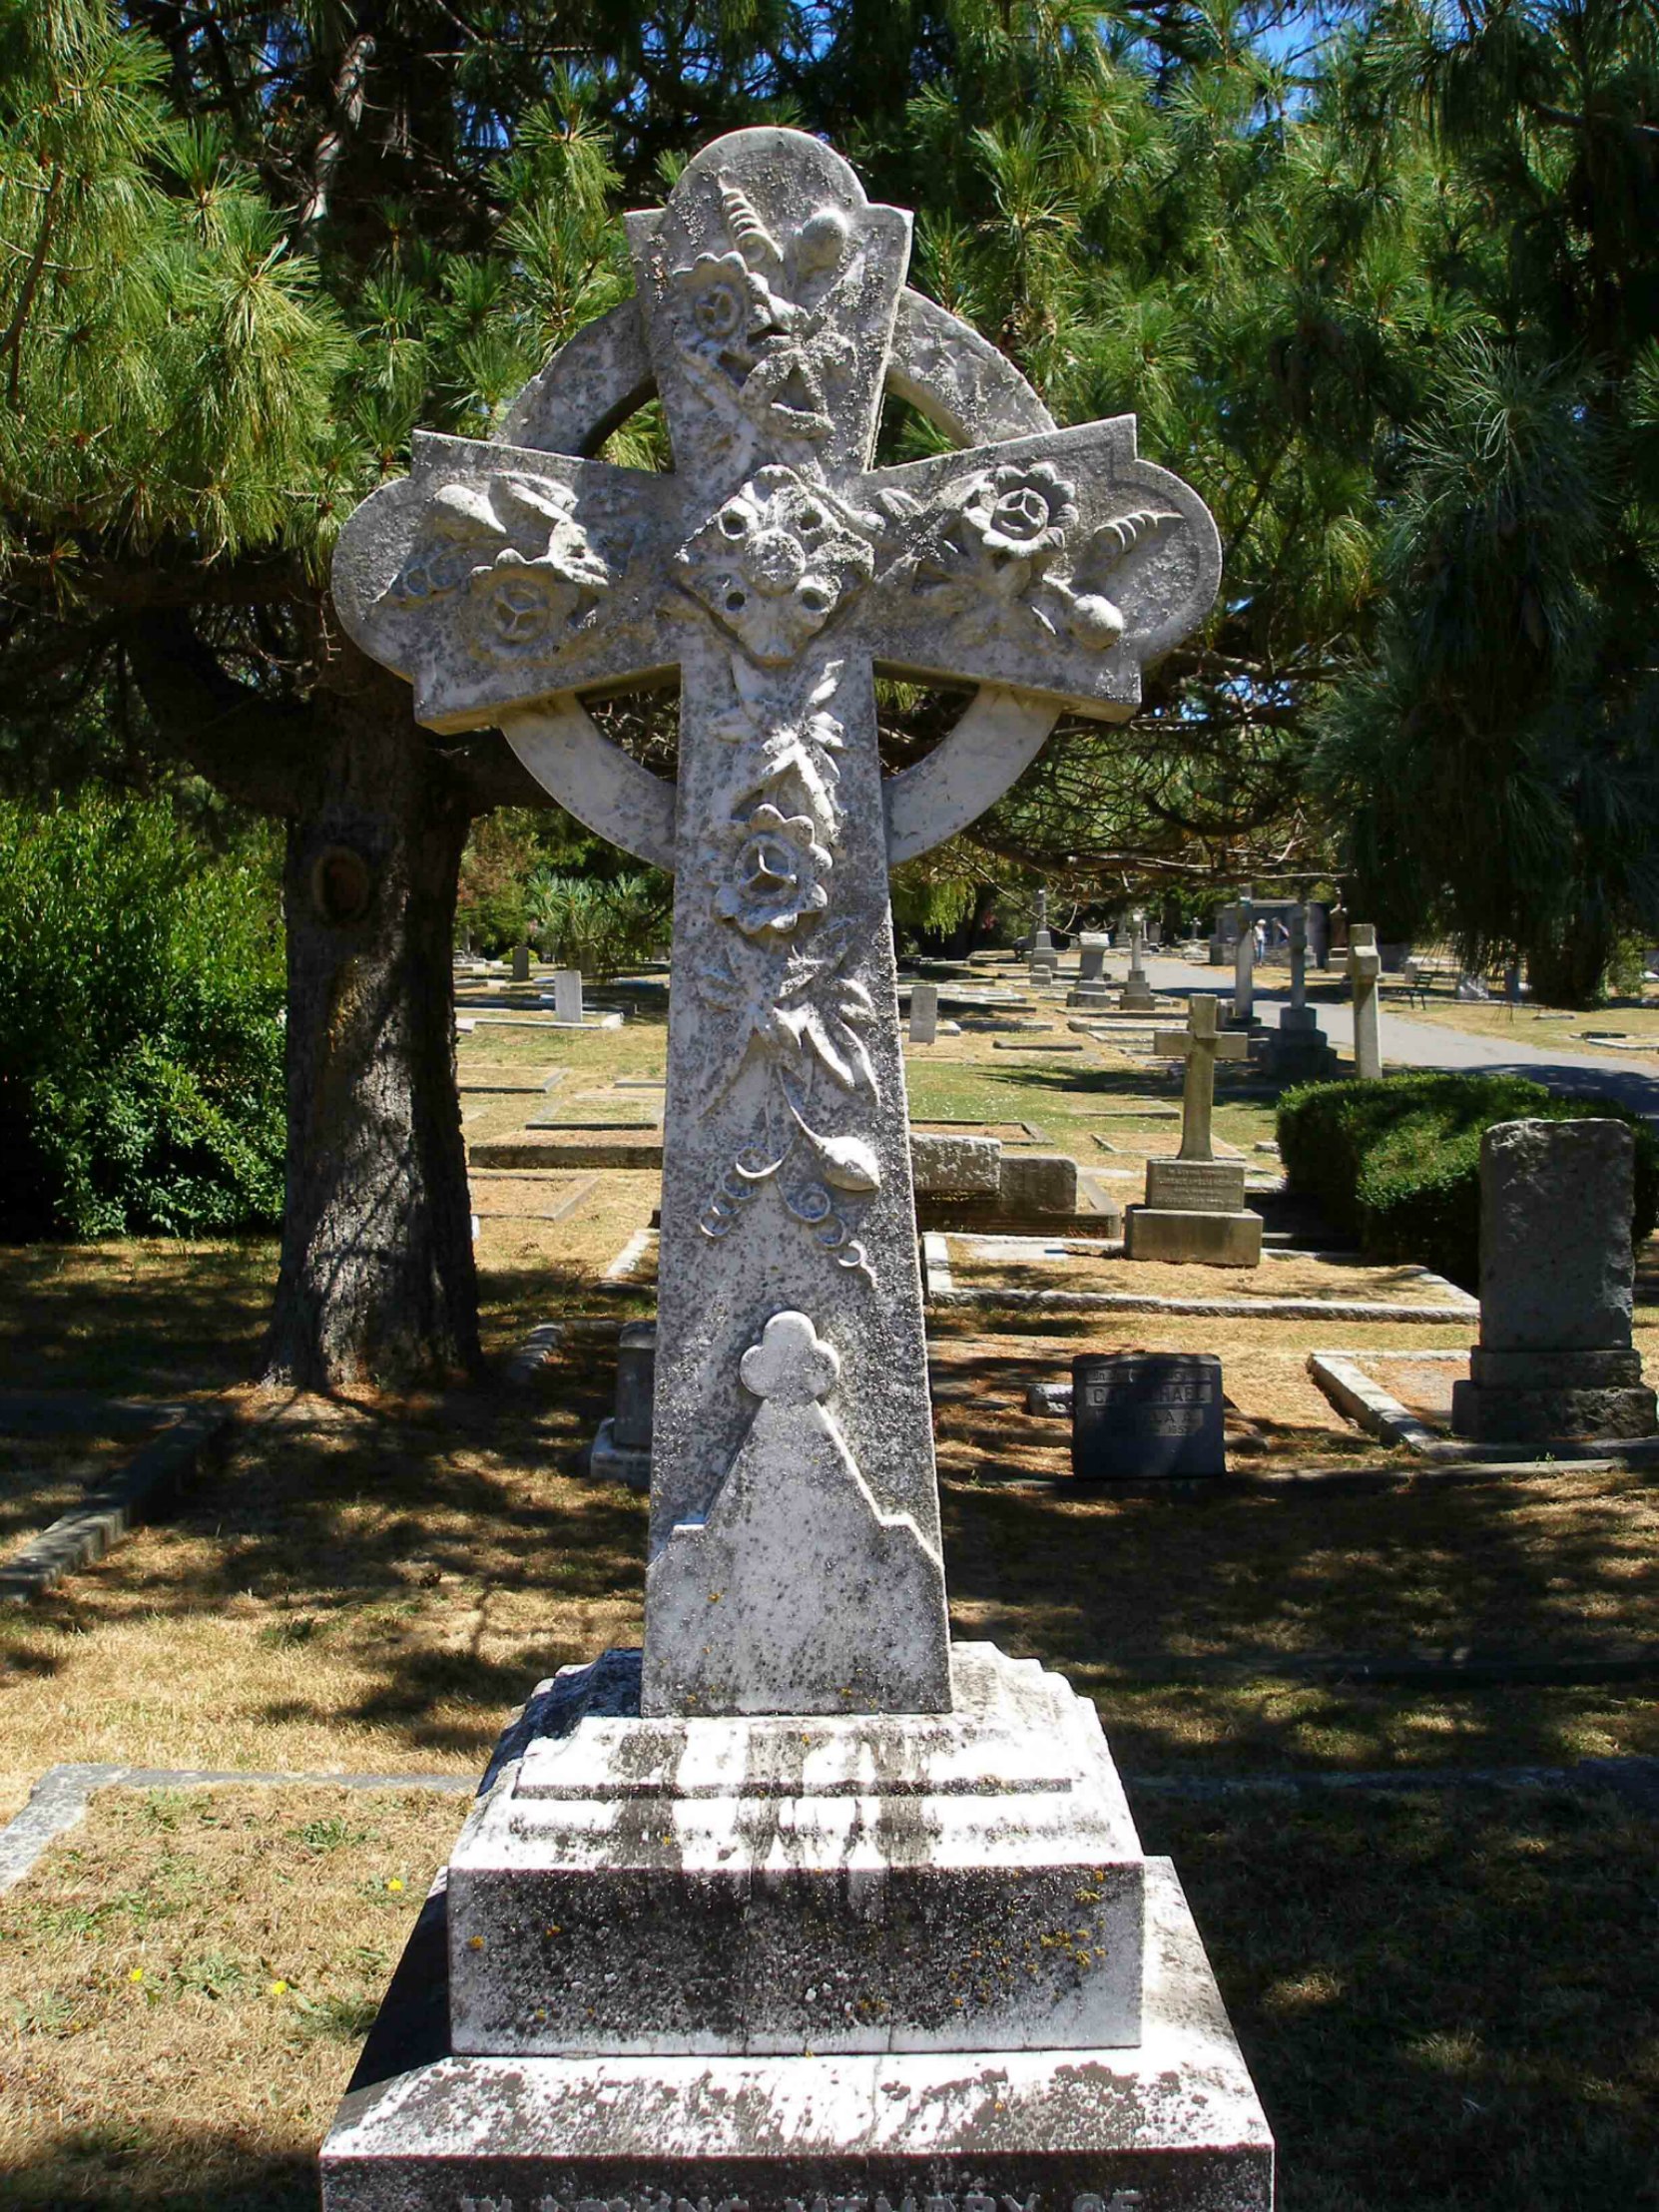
[
  {"x": 1140, "y": 1414},
  {"x": 1532, "y": 1370},
  {"x": 1092, "y": 960},
  {"x": 956, "y": 1167},
  {"x": 1365, "y": 968},
  {"x": 1557, "y": 1266},
  {"x": 1510, "y": 1416},
  {"x": 856, "y": 1882},
  {"x": 1191, "y": 1238},
  {"x": 864, "y": 1631},
  {"x": 1195, "y": 1186},
  {"x": 1557, "y": 1278},
  {"x": 504, "y": 581},
  {"x": 1172, "y": 2125},
  {"x": 1037, "y": 1183},
  {"x": 924, "y": 1012},
  {"x": 521, "y": 963},
  {"x": 567, "y": 995},
  {"x": 636, "y": 1371}
]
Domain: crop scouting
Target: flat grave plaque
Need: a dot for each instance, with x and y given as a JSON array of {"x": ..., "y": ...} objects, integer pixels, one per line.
[{"x": 1136, "y": 1414}]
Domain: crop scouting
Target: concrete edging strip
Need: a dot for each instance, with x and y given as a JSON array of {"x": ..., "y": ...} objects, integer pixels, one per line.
[{"x": 100, "y": 1519}]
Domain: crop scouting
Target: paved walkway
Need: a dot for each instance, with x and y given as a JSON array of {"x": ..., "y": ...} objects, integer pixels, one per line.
[{"x": 1424, "y": 1044}]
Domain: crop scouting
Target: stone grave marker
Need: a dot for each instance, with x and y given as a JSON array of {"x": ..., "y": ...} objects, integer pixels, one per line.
[
  {"x": 521, "y": 963},
  {"x": 567, "y": 996},
  {"x": 1195, "y": 1211},
  {"x": 1297, "y": 1052},
  {"x": 1365, "y": 967},
  {"x": 1243, "y": 1015},
  {"x": 1557, "y": 1280},
  {"x": 621, "y": 1452},
  {"x": 1045, "y": 960},
  {"x": 1091, "y": 987},
  {"x": 924, "y": 1014},
  {"x": 1136, "y": 1414},
  {"x": 1136, "y": 996},
  {"x": 725, "y": 1892}
]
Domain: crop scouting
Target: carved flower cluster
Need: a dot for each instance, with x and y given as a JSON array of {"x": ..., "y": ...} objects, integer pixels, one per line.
[
  {"x": 727, "y": 301},
  {"x": 779, "y": 875},
  {"x": 1022, "y": 512},
  {"x": 517, "y": 546},
  {"x": 774, "y": 562}
]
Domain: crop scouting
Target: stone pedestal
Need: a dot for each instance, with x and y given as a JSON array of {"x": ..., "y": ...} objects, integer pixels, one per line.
[
  {"x": 1557, "y": 1275},
  {"x": 1194, "y": 1214},
  {"x": 757, "y": 1960},
  {"x": 1298, "y": 1052},
  {"x": 1137, "y": 998}
]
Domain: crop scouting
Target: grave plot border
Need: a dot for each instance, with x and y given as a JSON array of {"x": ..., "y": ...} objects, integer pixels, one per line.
[{"x": 1365, "y": 1401}]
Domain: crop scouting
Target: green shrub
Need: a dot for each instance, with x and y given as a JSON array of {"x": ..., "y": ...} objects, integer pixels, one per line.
[
  {"x": 1397, "y": 1163},
  {"x": 140, "y": 1039}
]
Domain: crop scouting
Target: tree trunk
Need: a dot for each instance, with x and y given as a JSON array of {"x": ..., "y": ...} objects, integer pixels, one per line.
[{"x": 376, "y": 1280}]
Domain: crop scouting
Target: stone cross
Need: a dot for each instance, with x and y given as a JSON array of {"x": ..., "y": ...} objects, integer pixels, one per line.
[
  {"x": 1244, "y": 968},
  {"x": 795, "y": 1530},
  {"x": 1298, "y": 956},
  {"x": 1364, "y": 966},
  {"x": 1201, "y": 1044},
  {"x": 1041, "y": 942}
]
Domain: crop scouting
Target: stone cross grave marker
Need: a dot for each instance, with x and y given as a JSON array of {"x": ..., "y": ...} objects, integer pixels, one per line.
[
  {"x": 1298, "y": 956},
  {"x": 1201, "y": 1044},
  {"x": 1243, "y": 969},
  {"x": 1137, "y": 995},
  {"x": 1365, "y": 967},
  {"x": 772, "y": 570}
]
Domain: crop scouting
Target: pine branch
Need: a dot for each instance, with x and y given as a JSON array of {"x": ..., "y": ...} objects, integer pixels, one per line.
[{"x": 249, "y": 746}]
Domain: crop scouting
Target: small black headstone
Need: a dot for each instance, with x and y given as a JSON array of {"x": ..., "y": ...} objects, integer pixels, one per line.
[{"x": 1140, "y": 1413}]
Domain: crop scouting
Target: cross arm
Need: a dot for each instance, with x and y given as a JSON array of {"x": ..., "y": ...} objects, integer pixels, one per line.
[
  {"x": 1171, "y": 1044},
  {"x": 1057, "y": 564},
  {"x": 1231, "y": 1044},
  {"x": 493, "y": 577}
]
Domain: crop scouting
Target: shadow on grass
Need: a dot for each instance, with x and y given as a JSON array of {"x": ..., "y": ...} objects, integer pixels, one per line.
[
  {"x": 123, "y": 2163},
  {"x": 78, "y": 1317},
  {"x": 1443, "y": 2009}
]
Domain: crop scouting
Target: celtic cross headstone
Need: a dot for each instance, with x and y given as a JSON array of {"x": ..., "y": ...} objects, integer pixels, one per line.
[
  {"x": 753, "y": 1920},
  {"x": 774, "y": 569}
]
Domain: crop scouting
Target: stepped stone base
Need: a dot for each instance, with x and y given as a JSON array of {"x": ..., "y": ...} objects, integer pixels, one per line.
[
  {"x": 1186, "y": 1239},
  {"x": 1503, "y": 1415},
  {"x": 1173, "y": 2126},
  {"x": 959, "y": 1881}
]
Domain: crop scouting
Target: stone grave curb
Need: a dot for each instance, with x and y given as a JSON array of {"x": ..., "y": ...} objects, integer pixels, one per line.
[
  {"x": 533, "y": 1354},
  {"x": 1354, "y": 1394},
  {"x": 1220, "y": 1308},
  {"x": 106, "y": 1514},
  {"x": 59, "y": 1799}
]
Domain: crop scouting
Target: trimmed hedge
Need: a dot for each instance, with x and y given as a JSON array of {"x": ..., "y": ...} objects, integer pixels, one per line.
[{"x": 1396, "y": 1163}]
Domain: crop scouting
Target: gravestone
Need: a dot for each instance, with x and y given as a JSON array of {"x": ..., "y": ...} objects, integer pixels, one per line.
[
  {"x": 1297, "y": 1052},
  {"x": 924, "y": 1014},
  {"x": 1243, "y": 1015},
  {"x": 1557, "y": 1275},
  {"x": 567, "y": 996},
  {"x": 621, "y": 1451},
  {"x": 1195, "y": 1214},
  {"x": 1045, "y": 960},
  {"x": 1136, "y": 1414},
  {"x": 1136, "y": 996},
  {"x": 1364, "y": 966},
  {"x": 1091, "y": 987},
  {"x": 756, "y": 1915},
  {"x": 521, "y": 963}
]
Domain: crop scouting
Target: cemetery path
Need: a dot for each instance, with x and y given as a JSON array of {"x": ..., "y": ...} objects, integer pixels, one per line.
[{"x": 1422, "y": 1044}]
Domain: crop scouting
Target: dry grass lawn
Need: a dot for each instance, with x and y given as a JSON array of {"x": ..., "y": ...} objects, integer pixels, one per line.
[
  {"x": 183, "y": 1984},
  {"x": 1280, "y": 1275}
]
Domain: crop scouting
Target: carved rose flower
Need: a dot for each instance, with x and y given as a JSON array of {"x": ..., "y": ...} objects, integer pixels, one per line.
[
  {"x": 724, "y": 298},
  {"x": 780, "y": 866},
  {"x": 1025, "y": 513}
]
